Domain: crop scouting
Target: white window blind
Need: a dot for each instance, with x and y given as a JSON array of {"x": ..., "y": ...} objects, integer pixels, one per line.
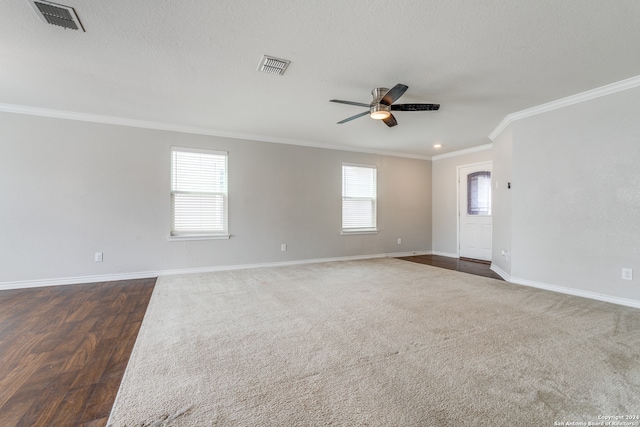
[
  {"x": 199, "y": 193},
  {"x": 359, "y": 192}
]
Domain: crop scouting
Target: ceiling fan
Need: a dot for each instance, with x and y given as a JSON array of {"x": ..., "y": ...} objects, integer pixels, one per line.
[{"x": 383, "y": 104}]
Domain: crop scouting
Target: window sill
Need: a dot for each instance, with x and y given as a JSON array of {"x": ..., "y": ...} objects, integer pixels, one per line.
[
  {"x": 210, "y": 237},
  {"x": 349, "y": 232}
]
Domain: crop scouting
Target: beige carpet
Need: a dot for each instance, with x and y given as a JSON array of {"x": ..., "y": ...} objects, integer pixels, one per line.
[{"x": 378, "y": 342}]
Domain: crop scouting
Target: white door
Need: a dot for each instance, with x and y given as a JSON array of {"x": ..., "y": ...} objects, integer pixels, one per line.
[{"x": 474, "y": 208}]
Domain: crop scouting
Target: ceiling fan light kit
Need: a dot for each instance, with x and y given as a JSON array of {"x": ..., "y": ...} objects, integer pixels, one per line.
[
  {"x": 382, "y": 105},
  {"x": 379, "y": 112}
]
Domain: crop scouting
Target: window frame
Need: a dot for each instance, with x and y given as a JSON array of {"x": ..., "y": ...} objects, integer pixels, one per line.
[
  {"x": 373, "y": 229},
  {"x": 478, "y": 208},
  {"x": 203, "y": 234}
]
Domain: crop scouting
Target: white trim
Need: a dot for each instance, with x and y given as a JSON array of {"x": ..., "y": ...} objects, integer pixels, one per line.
[
  {"x": 372, "y": 227},
  {"x": 199, "y": 151},
  {"x": 500, "y": 272},
  {"x": 149, "y": 274},
  {"x": 458, "y": 184},
  {"x": 361, "y": 165},
  {"x": 212, "y": 234},
  {"x": 501, "y": 127},
  {"x": 564, "y": 290},
  {"x": 463, "y": 152},
  {"x": 76, "y": 280},
  {"x": 565, "y": 102},
  {"x": 147, "y": 124},
  {"x": 348, "y": 232},
  {"x": 445, "y": 254},
  {"x": 408, "y": 253},
  {"x": 286, "y": 263},
  {"x": 484, "y": 162},
  {"x": 577, "y": 292},
  {"x": 179, "y": 238}
]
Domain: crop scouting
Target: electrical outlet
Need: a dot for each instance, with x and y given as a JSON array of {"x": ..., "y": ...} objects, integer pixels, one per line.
[
  {"x": 627, "y": 274},
  {"x": 98, "y": 257},
  {"x": 399, "y": 241},
  {"x": 283, "y": 247}
]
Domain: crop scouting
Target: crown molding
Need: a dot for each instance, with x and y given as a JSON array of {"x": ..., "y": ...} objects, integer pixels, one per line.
[
  {"x": 565, "y": 102},
  {"x": 171, "y": 127},
  {"x": 463, "y": 152}
]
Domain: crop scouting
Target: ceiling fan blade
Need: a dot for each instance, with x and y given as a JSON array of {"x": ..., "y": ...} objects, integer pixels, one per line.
[
  {"x": 359, "y": 104},
  {"x": 396, "y": 92},
  {"x": 415, "y": 107},
  {"x": 390, "y": 121},
  {"x": 353, "y": 117}
]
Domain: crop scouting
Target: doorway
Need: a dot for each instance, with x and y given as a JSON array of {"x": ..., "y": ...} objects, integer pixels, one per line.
[{"x": 475, "y": 223}]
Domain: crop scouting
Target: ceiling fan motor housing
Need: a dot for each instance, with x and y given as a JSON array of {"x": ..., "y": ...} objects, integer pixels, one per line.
[
  {"x": 378, "y": 93},
  {"x": 376, "y": 106}
]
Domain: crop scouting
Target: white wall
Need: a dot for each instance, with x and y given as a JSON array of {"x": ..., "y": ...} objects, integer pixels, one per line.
[
  {"x": 501, "y": 202},
  {"x": 71, "y": 188},
  {"x": 575, "y": 197},
  {"x": 445, "y": 199}
]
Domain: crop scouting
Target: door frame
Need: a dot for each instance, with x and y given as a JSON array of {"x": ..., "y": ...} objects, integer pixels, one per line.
[{"x": 458, "y": 212}]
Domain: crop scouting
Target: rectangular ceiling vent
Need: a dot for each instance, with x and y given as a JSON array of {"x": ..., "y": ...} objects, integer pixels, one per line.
[
  {"x": 57, "y": 14},
  {"x": 272, "y": 65}
]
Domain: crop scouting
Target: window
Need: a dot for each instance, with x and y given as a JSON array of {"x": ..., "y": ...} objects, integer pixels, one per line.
[
  {"x": 198, "y": 194},
  {"x": 479, "y": 193},
  {"x": 358, "y": 198}
]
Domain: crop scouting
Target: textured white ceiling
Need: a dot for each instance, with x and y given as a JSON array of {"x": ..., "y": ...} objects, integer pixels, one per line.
[{"x": 193, "y": 63}]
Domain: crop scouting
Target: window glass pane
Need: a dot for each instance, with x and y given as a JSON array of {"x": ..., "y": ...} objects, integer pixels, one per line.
[{"x": 479, "y": 193}]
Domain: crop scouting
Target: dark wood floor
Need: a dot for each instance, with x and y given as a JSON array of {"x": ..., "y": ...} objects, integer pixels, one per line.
[
  {"x": 64, "y": 349},
  {"x": 479, "y": 268}
]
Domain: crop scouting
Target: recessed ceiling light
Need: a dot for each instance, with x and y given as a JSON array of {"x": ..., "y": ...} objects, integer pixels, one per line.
[{"x": 437, "y": 145}]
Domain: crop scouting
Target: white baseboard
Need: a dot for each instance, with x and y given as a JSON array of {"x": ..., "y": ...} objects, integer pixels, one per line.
[
  {"x": 445, "y": 254},
  {"x": 576, "y": 292},
  {"x": 75, "y": 280},
  {"x": 564, "y": 290},
  {"x": 500, "y": 272},
  {"x": 147, "y": 274},
  {"x": 286, "y": 263},
  {"x": 411, "y": 253}
]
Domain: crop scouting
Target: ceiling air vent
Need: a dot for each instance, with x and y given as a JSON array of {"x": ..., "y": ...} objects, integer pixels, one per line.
[
  {"x": 57, "y": 14},
  {"x": 272, "y": 65}
]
